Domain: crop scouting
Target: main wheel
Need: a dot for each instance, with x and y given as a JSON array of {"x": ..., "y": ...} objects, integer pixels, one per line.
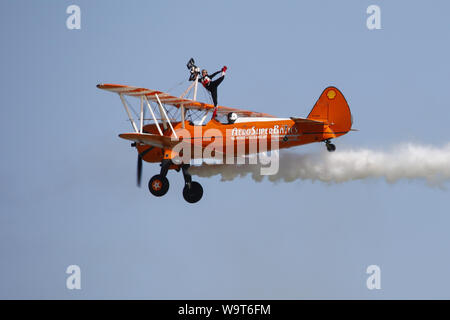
[
  {"x": 192, "y": 193},
  {"x": 331, "y": 147},
  {"x": 158, "y": 185}
]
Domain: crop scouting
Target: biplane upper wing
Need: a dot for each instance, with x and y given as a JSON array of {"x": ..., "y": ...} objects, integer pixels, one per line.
[{"x": 165, "y": 98}]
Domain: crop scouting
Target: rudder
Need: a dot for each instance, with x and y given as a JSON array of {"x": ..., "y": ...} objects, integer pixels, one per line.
[{"x": 332, "y": 108}]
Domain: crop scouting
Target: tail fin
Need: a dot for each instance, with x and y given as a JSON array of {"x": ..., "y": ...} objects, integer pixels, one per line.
[{"x": 332, "y": 108}]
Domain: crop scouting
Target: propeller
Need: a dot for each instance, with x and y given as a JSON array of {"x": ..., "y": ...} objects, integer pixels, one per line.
[
  {"x": 139, "y": 161},
  {"x": 139, "y": 170},
  {"x": 139, "y": 165}
]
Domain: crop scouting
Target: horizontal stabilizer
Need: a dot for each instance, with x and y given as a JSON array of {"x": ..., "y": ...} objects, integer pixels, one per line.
[{"x": 307, "y": 121}]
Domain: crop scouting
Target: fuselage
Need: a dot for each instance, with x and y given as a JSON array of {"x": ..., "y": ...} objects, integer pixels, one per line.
[{"x": 244, "y": 137}]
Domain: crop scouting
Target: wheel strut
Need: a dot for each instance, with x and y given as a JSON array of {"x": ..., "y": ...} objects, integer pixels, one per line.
[
  {"x": 165, "y": 164},
  {"x": 187, "y": 177},
  {"x": 192, "y": 191}
]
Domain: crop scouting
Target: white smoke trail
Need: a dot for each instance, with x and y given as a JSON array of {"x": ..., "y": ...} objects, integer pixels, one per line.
[{"x": 409, "y": 161}]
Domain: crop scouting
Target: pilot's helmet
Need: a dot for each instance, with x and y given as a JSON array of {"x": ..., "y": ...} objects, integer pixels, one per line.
[{"x": 232, "y": 117}]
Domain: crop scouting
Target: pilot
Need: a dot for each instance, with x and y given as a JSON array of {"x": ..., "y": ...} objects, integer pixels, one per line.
[
  {"x": 211, "y": 85},
  {"x": 232, "y": 117}
]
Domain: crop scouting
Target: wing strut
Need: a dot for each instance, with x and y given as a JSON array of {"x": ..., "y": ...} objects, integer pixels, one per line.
[
  {"x": 203, "y": 118},
  {"x": 129, "y": 114},
  {"x": 153, "y": 115},
  {"x": 182, "y": 115},
  {"x": 142, "y": 115},
  {"x": 195, "y": 85},
  {"x": 163, "y": 112}
]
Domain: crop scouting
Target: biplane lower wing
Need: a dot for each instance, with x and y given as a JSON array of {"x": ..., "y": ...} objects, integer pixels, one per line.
[{"x": 150, "y": 139}]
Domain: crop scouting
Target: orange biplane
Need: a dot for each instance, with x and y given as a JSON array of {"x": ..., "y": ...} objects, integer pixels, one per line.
[{"x": 178, "y": 120}]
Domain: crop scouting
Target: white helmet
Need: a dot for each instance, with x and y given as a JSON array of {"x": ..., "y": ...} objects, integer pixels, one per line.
[{"x": 232, "y": 117}]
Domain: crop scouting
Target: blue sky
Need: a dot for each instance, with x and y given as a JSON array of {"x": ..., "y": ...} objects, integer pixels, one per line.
[{"x": 68, "y": 193}]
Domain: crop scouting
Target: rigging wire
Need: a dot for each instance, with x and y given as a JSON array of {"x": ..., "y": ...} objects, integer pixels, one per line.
[
  {"x": 207, "y": 95},
  {"x": 131, "y": 106},
  {"x": 189, "y": 113},
  {"x": 176, "y": 86}
]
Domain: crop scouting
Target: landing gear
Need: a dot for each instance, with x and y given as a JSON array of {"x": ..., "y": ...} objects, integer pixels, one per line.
[
  {"x": 330, "y": 147},
  {"x": 159, "y": 185},
  {"x": 192, "y": 191}
]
